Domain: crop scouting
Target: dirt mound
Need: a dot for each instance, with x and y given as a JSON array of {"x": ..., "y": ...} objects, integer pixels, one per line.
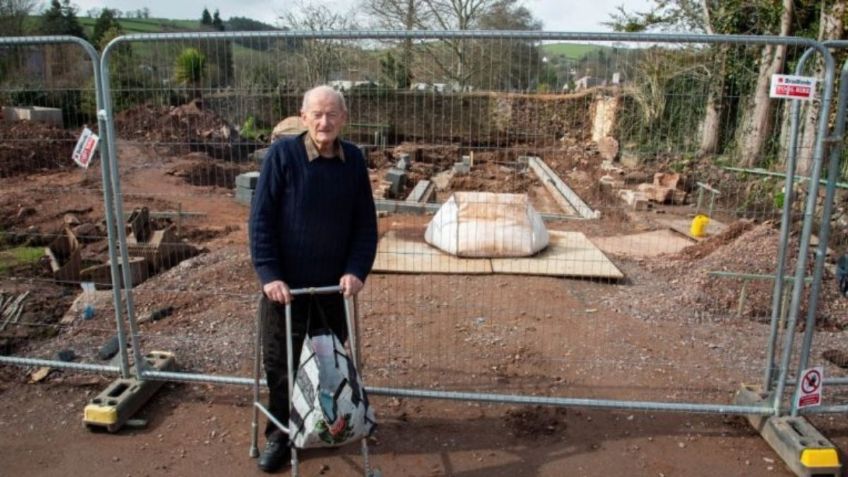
[
  {"x": 492, "y": 177},
  {"x": 29, "y": 146},
  {"x": 706, "y": 247},
  {"x": 184, "y": 128},
  {"x": 754, "y": 250},
  {"x": 202, "y": 170}
]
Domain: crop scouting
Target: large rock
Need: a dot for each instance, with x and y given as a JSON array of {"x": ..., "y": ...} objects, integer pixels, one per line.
[{"x": 291, "y": 126}]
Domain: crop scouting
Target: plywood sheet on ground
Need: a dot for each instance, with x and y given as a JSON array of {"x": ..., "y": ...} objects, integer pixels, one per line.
[
  {"x": 408, "y": 255},
  {"x": 682, "y": 225},
  {"x": 569, "y": 254},
  {"x": 646, "y": 244}
]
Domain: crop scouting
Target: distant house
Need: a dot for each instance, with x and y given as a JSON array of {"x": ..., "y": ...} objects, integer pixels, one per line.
[
  {"x": 435, "y": 87},
  {"x": 347, "y": 85},
  {"x": 616, "y": 79},
  {"x": 452, "y": 87},
  {"x": 587, "y": 82},
  {"x": 341, "y": 85}
]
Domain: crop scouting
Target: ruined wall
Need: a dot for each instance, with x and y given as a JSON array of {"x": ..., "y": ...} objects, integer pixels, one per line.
[{"x": 465, "y": 118}]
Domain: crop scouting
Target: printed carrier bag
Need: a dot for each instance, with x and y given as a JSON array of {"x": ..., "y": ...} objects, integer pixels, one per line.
[{"x": 329, "y": 405}]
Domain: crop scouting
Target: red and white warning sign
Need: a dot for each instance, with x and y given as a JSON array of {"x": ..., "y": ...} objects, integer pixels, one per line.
[
  {"x": 810, "y": 387},
  {"x": 85, "y": 148},
  {"x": 793, "y": 87}
]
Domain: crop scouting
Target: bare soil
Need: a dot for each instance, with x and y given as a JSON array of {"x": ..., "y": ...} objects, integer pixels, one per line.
[{"x": 667, "y": 333}]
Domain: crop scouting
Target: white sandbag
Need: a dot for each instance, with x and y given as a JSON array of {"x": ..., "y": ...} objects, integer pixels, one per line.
[{"x": 485, "y": 224}]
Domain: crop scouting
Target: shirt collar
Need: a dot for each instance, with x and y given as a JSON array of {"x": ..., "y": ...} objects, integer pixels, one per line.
[{"x": 312, "y": 150}]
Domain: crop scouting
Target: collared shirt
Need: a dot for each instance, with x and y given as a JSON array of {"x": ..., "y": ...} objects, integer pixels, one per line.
[{"x": 312, "y": 148}]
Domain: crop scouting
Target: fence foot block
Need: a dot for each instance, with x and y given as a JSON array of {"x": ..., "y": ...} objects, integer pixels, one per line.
[
  {"x": 801, "y": 446},
  {"x": 113, "y": 407}
]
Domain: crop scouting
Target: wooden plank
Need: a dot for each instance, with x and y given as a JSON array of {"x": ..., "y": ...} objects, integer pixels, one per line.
[
  {"x": 682, "y": 226},
  {"x": 569, "y": 254},
  {"x": 408, "y": 255},
  {"x": 646, "y": 244}
]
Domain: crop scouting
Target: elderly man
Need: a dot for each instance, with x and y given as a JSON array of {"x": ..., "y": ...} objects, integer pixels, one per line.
[{"x": 312, "y": 223}]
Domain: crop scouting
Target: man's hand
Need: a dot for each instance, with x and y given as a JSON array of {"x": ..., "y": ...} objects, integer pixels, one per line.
[
  {"x": 350, "y": 285},
  {"x": 278, "y": 291}
]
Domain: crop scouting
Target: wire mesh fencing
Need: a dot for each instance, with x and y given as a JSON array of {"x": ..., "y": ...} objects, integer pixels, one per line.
[
  {"x": 55, "y": 249},
  {"x": 655, "y": 262},
  {"x": 822, "y": 347}
]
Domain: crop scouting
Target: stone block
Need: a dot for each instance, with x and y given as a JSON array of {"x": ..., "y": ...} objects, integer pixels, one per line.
[
  {"x": 404, "y": 162},
  {"x": 247, "y": 180},
  {"x": 608, "y": 148},
  {"x": 397, "y": 180},
  {"x": 635, "y": 199},
  {"x": 667, "y": 179},
  {"x": 608, "y": 166},
  {"x": 611, "y": 182},
  {"x": 461, "y": 168},
  {"x": 656, "y": 193},
  {"x": 244, "y": 195}
]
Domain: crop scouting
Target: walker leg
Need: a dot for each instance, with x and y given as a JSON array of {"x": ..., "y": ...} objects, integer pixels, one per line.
[{"x": 254, "y": 425}]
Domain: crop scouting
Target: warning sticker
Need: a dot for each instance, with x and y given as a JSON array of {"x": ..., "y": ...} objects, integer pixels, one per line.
[
  {"x": 85, "y": 148},
  {"x": 793, "y": 87},
  {"x": 810, "y": 387}
]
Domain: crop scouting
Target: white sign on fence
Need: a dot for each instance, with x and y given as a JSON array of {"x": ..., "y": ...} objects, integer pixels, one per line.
[
  {"x": 85, "y": 148},
  {"x": 810, "y": 387},
  {"x": 793, "y": 87}
]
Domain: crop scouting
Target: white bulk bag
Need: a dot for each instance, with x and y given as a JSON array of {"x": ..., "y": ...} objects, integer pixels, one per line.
[{"x": 485, "y": 224}]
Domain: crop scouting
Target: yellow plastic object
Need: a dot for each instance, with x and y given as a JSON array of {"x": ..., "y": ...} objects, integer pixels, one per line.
[
  {"x": 812, "y": 458},
  {"x": 102, "y": 415},
  {"x": 699, "y": 225}
]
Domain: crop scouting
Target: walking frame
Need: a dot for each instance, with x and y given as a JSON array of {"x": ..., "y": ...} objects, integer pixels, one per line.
[{"x": 353, "y": 333}]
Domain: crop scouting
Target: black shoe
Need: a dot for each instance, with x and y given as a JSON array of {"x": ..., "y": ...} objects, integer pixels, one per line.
[{"x": 275, "y": 456}]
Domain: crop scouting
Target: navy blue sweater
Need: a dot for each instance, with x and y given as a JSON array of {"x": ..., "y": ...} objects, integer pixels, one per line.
[{"x": 312, "y": 221}]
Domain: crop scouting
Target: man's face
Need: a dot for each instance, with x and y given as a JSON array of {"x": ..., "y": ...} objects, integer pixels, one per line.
[{"x": 324, "y": 118}]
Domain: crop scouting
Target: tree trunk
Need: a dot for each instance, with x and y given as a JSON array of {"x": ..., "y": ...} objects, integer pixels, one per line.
[
  {"x": 711, "y": 125},
  {"x": 830, "y": 28},
  {"x": 757, "y": 125}
]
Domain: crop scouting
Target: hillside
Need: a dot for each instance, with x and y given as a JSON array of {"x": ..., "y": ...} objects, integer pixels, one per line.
[
  {"x": 162, "y": 25},
  {"x": 572, "y": 51}
]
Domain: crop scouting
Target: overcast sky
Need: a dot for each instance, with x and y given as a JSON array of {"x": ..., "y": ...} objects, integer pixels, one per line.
[{"x": 557, "y": 15}]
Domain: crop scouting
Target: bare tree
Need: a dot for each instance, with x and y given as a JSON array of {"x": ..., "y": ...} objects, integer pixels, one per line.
[
  {"x": 13, "y": 14},
  {"x": 321, "y": 58},
  {"x": 399, "y": 15}
]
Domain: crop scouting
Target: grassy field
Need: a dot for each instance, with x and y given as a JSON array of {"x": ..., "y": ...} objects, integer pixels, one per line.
[{"x": 573, "y": 51}]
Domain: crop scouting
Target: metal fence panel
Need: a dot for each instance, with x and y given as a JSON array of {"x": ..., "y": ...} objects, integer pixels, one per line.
[
  {"x": 823, "y": 344},
  {"x": 56, "y": 235},
  {"x": 625, "y": 309}
]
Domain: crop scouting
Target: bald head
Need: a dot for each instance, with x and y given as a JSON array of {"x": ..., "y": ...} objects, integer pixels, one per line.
[
  {"x": 324, "y": 113},
  {"x": 323, "y": 92}
]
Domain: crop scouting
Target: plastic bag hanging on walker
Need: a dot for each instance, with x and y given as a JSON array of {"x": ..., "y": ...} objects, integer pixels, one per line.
[{"x": 329, "y": 404}]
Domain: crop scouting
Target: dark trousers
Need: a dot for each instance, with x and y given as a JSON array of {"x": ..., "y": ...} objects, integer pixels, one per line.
[{"x": 273, "y": 317}]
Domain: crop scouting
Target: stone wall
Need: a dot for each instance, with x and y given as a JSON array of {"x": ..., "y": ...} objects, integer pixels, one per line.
[{"x": 474, "y": 119}]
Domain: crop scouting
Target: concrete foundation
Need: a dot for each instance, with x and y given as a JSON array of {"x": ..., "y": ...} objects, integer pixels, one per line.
[{"x": 801, "y": 446}]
